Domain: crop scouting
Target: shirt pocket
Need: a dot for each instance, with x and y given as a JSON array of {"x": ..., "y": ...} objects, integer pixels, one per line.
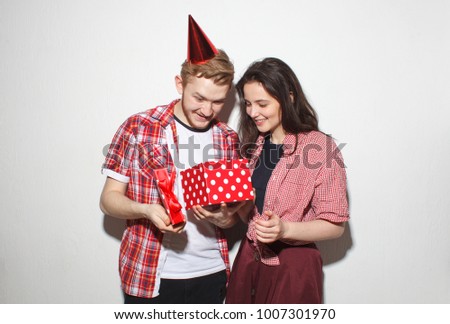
[{"x": 152, "y": 156}]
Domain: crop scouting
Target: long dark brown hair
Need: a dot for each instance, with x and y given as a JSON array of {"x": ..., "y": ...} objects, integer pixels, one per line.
[{"x": 280, "y": 81}]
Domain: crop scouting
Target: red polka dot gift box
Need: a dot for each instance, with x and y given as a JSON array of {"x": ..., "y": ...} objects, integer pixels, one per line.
[{"x": 214, "y": 182}]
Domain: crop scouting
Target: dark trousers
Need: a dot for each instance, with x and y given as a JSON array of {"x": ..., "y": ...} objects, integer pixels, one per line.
[{"x": 208, "y": 289}]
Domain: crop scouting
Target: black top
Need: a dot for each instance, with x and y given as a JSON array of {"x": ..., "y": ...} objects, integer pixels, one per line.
[{"x": 270, "y": 155}]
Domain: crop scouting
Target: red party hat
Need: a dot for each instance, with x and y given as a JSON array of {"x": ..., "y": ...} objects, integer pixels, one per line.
[{"x": 200, "y": 48}]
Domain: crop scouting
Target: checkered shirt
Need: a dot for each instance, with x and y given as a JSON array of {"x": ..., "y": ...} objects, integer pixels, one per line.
[
  {"x": 138, "y": 147},
  {"x": 306, "y": 185}
]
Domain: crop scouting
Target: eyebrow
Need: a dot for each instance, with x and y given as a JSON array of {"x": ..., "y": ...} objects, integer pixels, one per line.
[
  {"x": 198, "y": 95},
  {"x": 204, "y": 98},
  {"x": 259, "y": 100}
]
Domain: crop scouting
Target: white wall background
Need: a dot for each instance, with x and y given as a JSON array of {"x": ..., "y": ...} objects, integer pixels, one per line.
[{"x": 377, "y": 72}]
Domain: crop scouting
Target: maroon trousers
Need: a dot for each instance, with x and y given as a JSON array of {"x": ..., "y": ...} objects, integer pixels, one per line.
[{"x": 297, "y": 280}]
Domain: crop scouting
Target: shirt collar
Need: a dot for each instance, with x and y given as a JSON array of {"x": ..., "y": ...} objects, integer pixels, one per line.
[{"x": 164, "y": 114}]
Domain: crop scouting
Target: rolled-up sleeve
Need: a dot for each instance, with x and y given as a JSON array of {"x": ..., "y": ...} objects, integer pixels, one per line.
[
  {"x": 118, "y": 161},
  {"x": 330, "y": 201}
]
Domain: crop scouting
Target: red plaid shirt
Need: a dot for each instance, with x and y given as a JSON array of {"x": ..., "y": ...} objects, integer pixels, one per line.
[
  {"x": 138, "y": 147},
  {"x": 306, "y": 185}
]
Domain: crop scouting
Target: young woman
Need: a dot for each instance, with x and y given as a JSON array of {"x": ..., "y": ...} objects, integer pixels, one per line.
[{"x": 300, "y": 182}]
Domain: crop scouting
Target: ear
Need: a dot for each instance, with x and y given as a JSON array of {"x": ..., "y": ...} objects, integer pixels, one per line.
[{"x": 179, "y": 84}]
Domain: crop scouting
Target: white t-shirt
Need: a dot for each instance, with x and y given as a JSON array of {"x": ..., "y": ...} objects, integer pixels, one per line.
[{"x": 194, "y": 252}]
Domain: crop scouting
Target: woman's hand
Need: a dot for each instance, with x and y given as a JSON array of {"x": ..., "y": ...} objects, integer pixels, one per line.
[{"x": 271, "y": 230}]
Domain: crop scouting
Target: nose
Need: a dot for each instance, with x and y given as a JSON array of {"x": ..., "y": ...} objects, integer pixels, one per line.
[
  {"x": 252, "y": 111},
  {"x": 208, "y": 109}
]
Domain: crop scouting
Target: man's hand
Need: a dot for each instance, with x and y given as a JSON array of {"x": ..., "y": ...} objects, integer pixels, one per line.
[
  {"x": 223, "y": 217},
  {"x": 113, "y": 202},
  {"x": 157, "y": 214}
]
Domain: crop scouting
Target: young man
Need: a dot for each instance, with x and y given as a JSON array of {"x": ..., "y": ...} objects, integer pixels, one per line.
[{"x": 160, "y": 262}]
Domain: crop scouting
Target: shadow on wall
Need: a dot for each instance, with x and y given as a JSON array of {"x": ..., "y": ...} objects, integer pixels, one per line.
[
  {"x": 230, "y": 102},
  {"x": 335, "y": 250},
  {"x": 114, "y": 226}
]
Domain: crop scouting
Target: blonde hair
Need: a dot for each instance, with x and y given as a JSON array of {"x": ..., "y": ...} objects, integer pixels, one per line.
[{"x": 219, "y": 68}]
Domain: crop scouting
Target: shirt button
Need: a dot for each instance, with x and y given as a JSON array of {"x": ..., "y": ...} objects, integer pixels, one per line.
[{"x": 256, "y": 255}]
